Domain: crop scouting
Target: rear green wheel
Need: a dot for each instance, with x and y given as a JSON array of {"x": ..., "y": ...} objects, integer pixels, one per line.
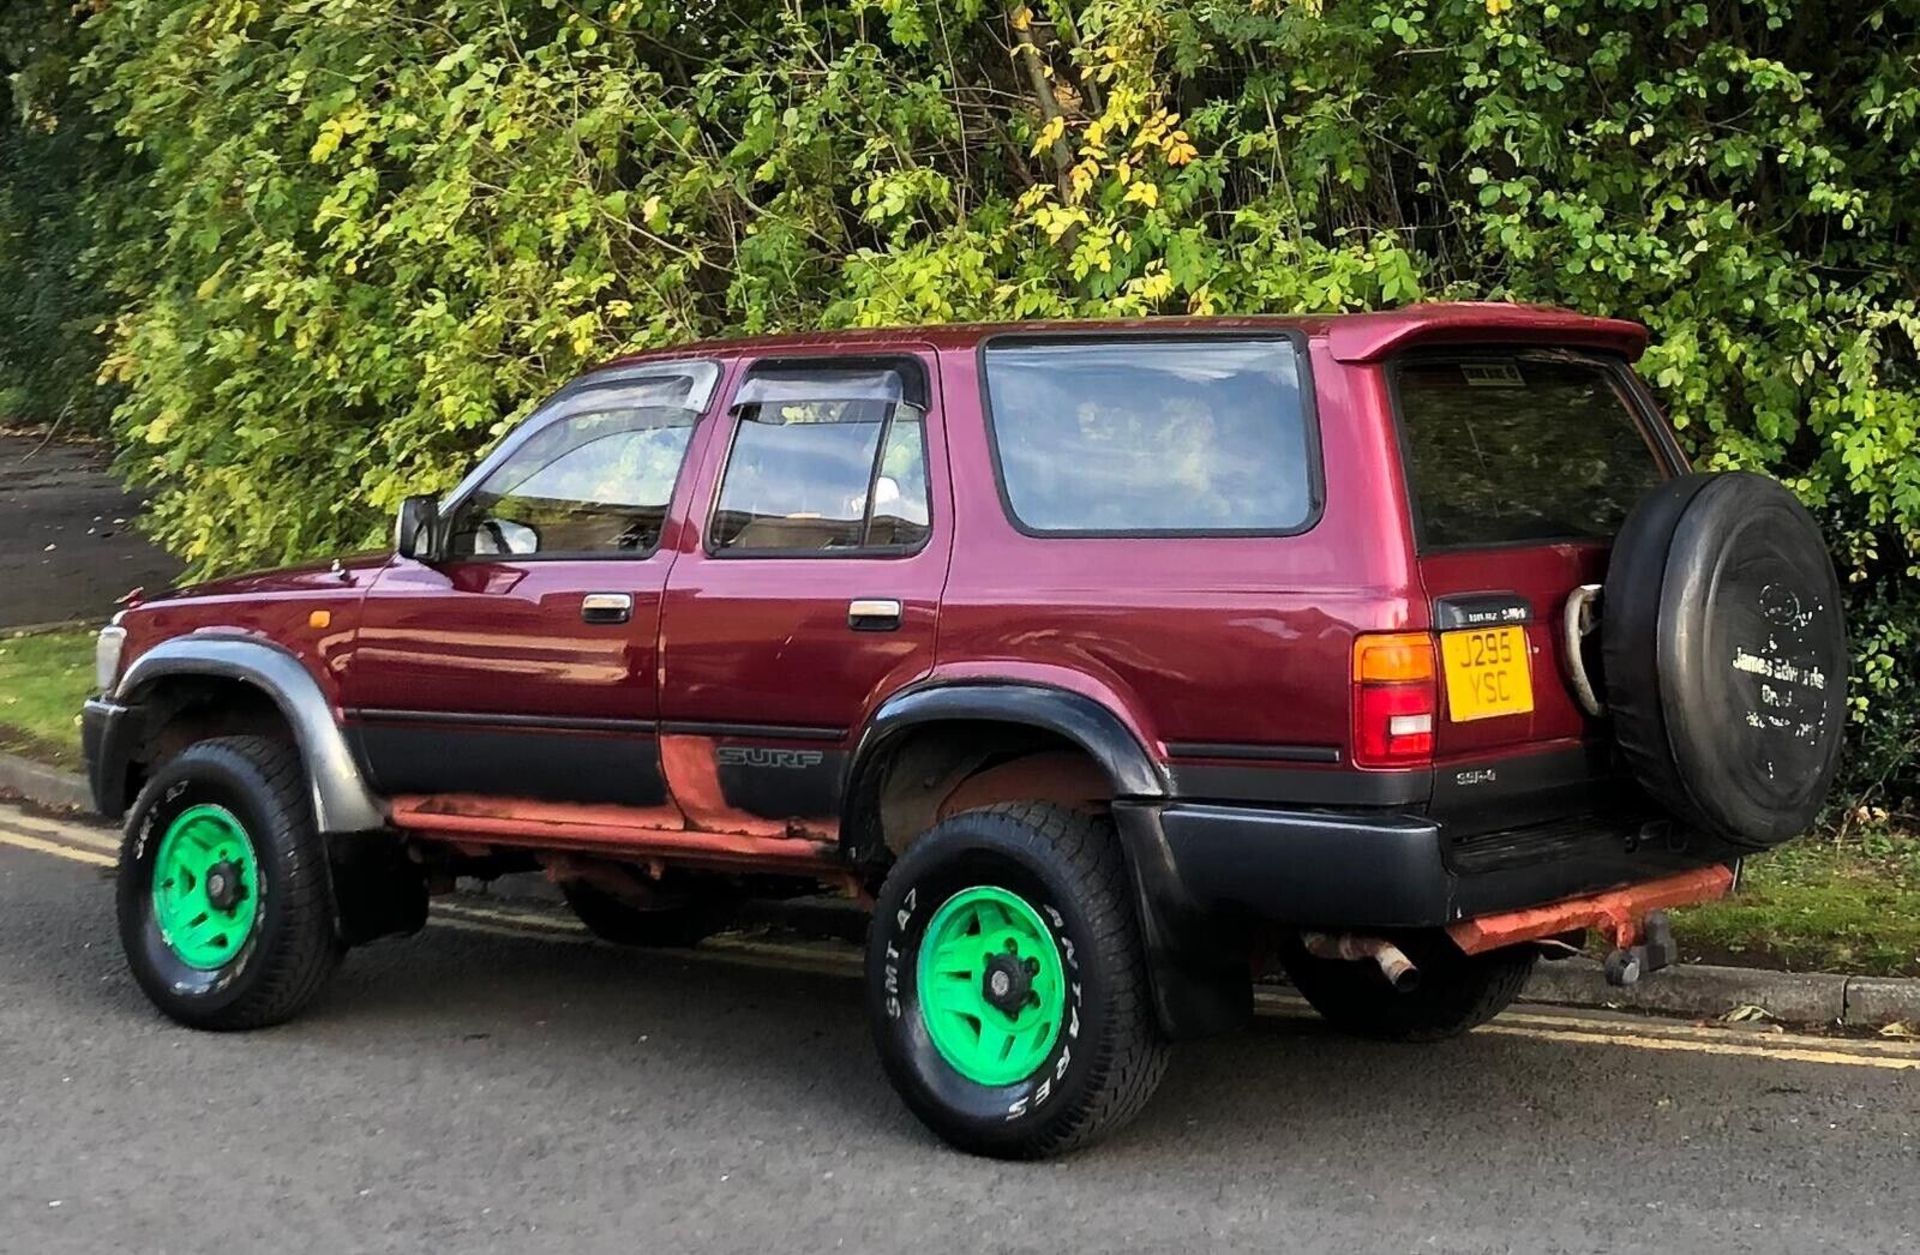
[
  {"x": 991, "y": 987},
  {"x": 1007, "y": 985}
]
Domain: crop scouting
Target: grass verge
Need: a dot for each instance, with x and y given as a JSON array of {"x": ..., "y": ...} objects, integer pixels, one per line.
[
  {"x": 1823, "y": 905},
  {"x": 43, "y": 679}
]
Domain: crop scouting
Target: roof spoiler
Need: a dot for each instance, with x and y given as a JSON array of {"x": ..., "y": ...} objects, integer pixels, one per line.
[{"x": 1371, "y": 337}]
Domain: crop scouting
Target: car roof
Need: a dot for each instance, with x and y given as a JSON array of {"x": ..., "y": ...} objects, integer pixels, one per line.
[{"x": 1363, "y": 337}]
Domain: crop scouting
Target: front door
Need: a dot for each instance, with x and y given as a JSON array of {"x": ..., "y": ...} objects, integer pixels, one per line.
[
  {"x": 523, "y": 663},
  {"x": 811, "y": 589}
]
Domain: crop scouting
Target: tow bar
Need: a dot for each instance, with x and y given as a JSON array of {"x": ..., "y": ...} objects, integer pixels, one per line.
[
  {"x": 1633, "y": 918},
  {"x": 1625, "y": 965}
]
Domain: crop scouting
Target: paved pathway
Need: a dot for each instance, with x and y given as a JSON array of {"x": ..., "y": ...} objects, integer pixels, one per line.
[{"x": 68, "y": 548}]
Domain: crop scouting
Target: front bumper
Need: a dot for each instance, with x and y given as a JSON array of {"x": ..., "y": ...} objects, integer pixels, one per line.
[
  {"x": 107, "y": 733},
  {"x": 1379, "y": 871}
]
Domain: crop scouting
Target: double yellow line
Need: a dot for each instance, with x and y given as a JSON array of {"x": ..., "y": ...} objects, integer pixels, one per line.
[{"x": 96, "y": 847}]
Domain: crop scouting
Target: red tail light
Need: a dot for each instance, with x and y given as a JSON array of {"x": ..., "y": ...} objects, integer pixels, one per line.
[{"x": 1395, "y": 699}]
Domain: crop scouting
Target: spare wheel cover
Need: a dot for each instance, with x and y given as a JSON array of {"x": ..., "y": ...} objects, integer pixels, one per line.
[{"x": 1726, "y": 656}]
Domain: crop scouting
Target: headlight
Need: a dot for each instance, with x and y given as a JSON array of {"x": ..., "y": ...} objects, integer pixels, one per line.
[{"x": 106, "y": 656}]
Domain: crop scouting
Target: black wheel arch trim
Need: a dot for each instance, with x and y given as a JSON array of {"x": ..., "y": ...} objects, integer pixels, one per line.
[
  {"x": 1125, "y": 762},
  {"x": 1198, "y": 973}
]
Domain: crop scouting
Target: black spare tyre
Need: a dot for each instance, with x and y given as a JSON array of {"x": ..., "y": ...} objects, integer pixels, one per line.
[{"x": 1726, "y": 656}]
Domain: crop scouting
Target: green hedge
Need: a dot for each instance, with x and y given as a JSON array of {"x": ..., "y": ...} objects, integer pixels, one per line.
[{"x": 367, "y": 233}]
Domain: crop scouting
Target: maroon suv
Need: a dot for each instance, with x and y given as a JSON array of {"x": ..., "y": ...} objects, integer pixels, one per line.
[{"x": 1101, "y": 660}]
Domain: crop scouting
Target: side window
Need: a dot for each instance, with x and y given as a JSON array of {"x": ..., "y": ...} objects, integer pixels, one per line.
[
  {"x": 825, "y": 460},
  {"x": 592, "y": 483},
  {"x": 1130, "y": 437}
]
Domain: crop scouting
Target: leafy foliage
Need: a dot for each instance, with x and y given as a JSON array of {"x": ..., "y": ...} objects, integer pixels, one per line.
[
  {"x": 50, "y": 159},
  {"x": 368, "y": 233}
]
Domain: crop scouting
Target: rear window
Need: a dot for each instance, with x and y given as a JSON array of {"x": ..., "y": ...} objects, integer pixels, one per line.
[
  {"x": 1136, "y": 437},
  {"x": 1503, "y": 449}
]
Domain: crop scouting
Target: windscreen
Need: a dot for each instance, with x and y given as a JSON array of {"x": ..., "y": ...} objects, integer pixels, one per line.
[{"x": 1510, "y": 448}]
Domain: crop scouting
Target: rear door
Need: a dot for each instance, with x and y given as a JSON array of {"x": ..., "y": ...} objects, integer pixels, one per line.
[
  {"x": 1521, "y": 466},
  {"x": 812, "y": 590}
]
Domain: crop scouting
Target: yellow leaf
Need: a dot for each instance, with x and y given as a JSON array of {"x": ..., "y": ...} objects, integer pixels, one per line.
[
  {"x": 328, "y": 141},
  {"x": 1053, "y": 130},
  {"x": 1081, "y": 177},
  {"x": 1145, "y": 193},
  {"x": 211, "y": 284},
  {"x": 1057, "y": 222},
  {"x": 1022, "y": 18},
  {"x": 1746, "y": 1012}
]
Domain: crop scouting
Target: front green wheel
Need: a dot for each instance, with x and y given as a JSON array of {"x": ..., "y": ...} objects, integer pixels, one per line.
[
  {"x": 206, "y": 886},
  {"x": 225, "y": 902}
]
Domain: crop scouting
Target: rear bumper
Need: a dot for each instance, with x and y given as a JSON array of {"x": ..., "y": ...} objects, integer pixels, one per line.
[
  {"x": 1209, "y": 878},
  {"x": 1343, "y": 871},
  {"x": 107, "y": 729}
]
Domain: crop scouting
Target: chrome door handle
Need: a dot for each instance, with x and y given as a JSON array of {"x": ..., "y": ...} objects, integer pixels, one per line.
[
  {"x": 606, "y": 607},
  {"x": 873, "y": 614}
]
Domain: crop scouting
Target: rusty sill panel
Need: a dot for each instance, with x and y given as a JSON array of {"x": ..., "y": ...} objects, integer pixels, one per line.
[{"x": 615, "y": 831}]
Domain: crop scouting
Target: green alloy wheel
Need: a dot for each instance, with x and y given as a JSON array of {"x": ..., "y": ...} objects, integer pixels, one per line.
[
  {"x": 991, "y": 988},
  {"x": 206, "y": 886},
  {"x": 1006, "y": 983},
  {"x": 224, "y": 891}
]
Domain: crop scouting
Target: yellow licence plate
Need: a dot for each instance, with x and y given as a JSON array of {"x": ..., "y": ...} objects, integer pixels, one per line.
[{"x": 1487, "y": 673}]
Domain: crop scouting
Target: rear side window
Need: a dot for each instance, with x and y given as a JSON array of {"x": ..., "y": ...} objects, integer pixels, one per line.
[
  {"x": 1509, "y": 448},
  {"x": 825, "y": 461},
  {"x": 1137, "y": 436}
]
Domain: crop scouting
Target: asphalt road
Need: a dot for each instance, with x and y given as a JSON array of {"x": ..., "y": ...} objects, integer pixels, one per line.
[{"x": 500, "y": 1084}]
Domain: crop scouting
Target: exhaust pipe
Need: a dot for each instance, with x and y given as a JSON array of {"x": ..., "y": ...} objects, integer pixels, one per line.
[{"x": 1393, "y": 962}]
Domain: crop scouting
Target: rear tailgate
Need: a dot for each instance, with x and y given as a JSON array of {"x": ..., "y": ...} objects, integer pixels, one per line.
[{"x": 1521, "y": 465}]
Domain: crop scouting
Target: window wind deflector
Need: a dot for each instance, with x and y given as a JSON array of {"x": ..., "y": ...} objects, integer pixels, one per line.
[
  {"x": 785, "y": 385},
  {"x": 685, "y": 384}
]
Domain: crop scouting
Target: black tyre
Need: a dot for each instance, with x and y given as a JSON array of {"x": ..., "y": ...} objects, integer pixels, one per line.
[
  {"x": 1456, "y": 992},
  {"x": 1006, "y": 983},
  {"x": 225, "y": 911},
  {"x": 1726, "y": 656},
  {"x": 612, "y": 920}
]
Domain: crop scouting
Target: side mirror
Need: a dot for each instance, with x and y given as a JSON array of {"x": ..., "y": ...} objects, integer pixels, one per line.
[{"x": 416, "y": 532}]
